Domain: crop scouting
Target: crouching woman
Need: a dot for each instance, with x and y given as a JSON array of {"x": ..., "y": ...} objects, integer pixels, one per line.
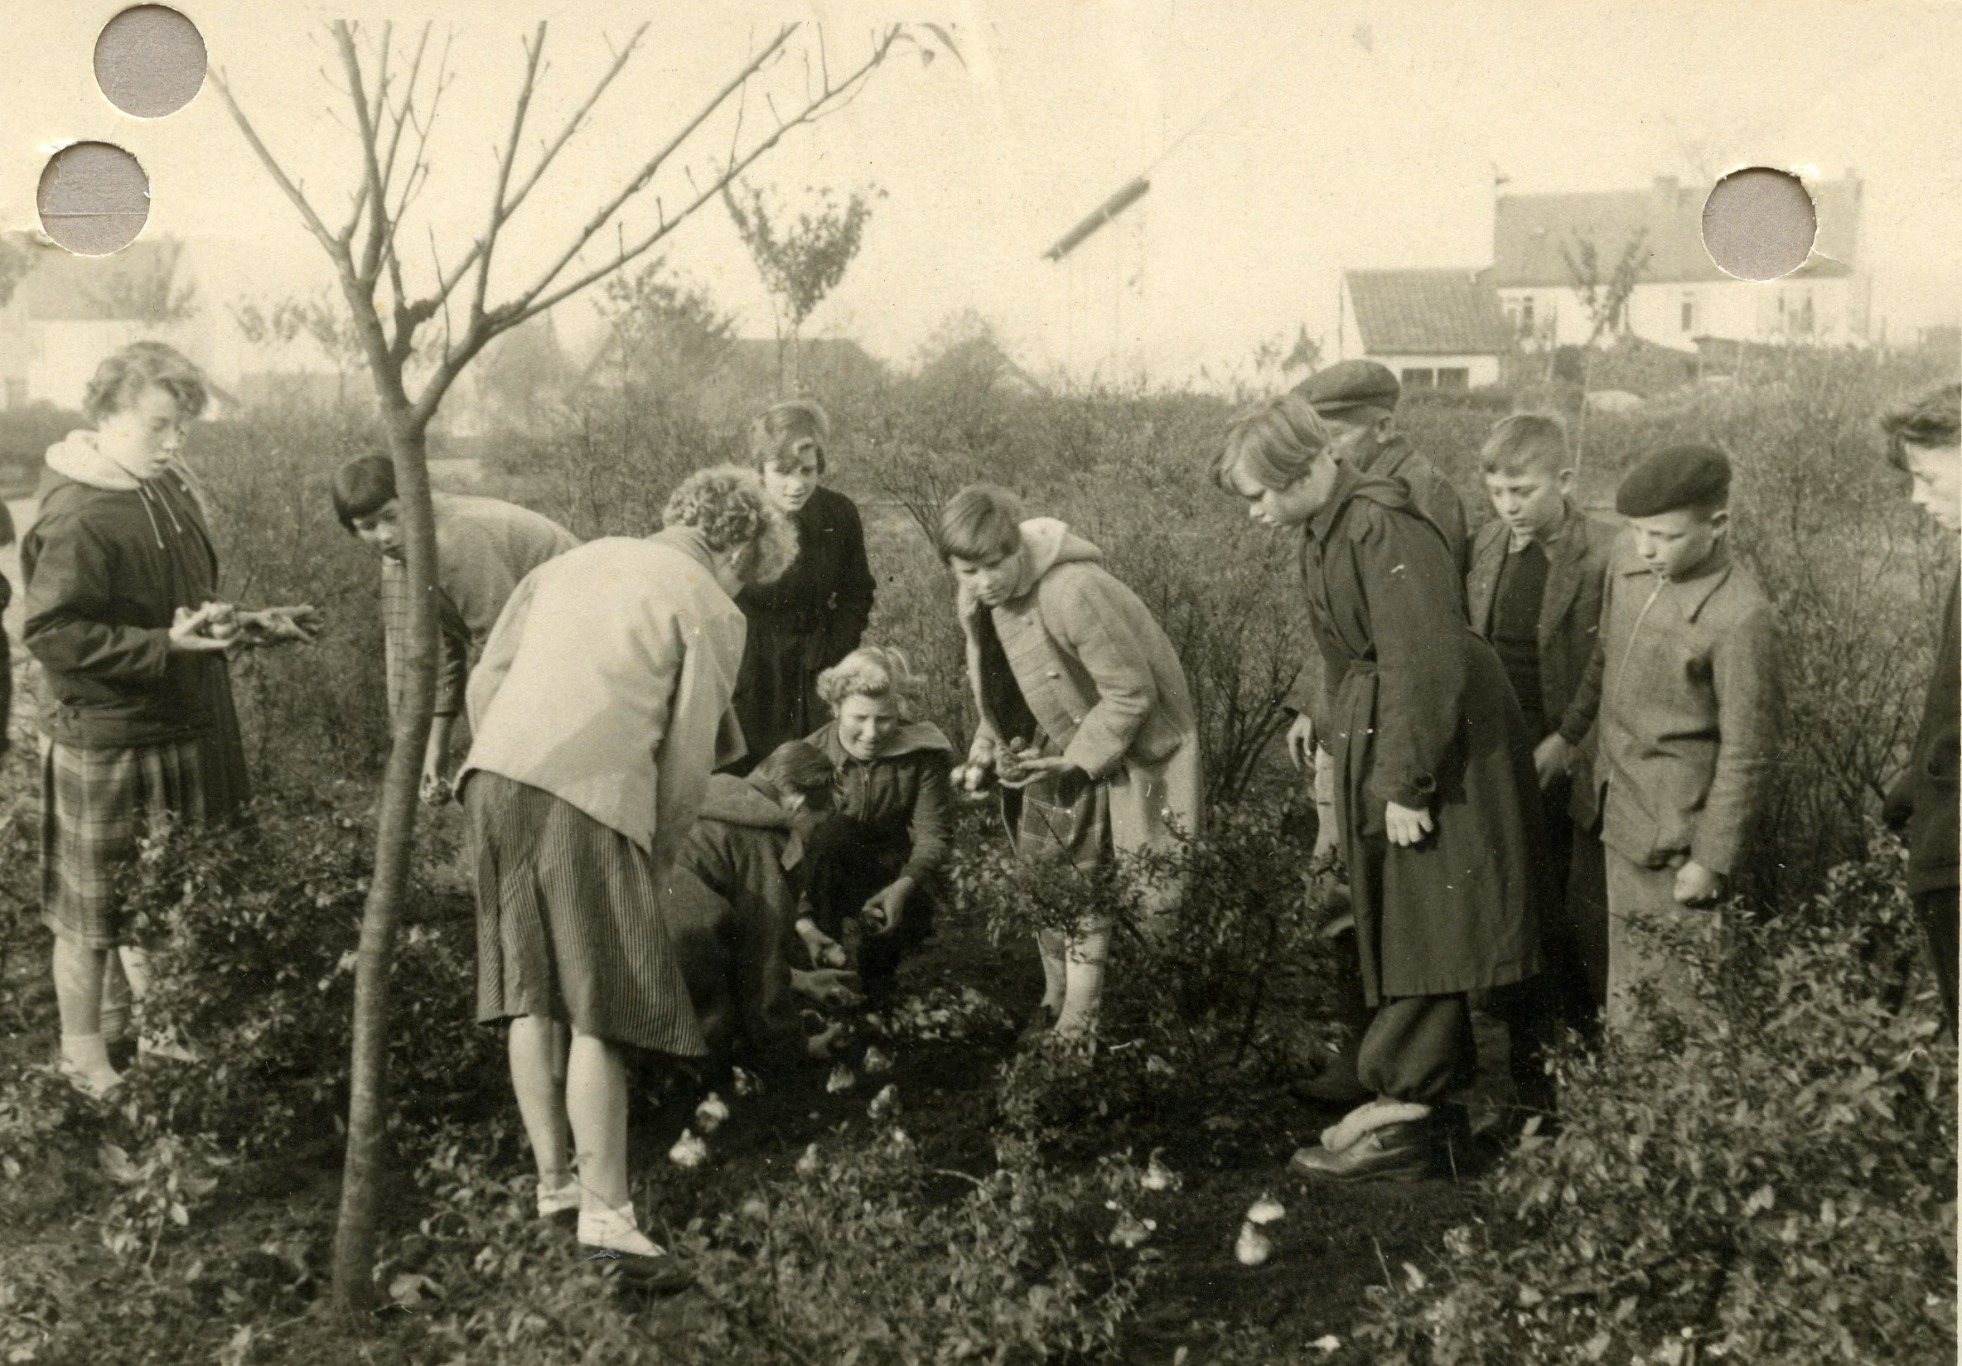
[
  {"x": 600, "y": 708},
  {"x": 880, "y": 856},
  {"x": 1085, "y": 716},
  {"x": 1436, "y": 800}
]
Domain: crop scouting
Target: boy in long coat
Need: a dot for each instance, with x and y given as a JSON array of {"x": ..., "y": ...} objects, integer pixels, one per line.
[
  {"x": 1433, "y": 776},
  {"x": 1068, "y": 661}
]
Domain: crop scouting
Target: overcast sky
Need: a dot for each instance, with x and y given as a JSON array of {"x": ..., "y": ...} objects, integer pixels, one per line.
[{"x": 1285, "y": 142}]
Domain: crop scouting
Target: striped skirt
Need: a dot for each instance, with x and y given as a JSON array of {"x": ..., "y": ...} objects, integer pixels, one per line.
[
  {"x": 96, "y": 807},
  {"x": 569, "y": 923}
]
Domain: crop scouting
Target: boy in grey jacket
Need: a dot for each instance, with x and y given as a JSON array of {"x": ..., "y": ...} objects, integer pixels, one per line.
[{"x": 1686, "y": 683}]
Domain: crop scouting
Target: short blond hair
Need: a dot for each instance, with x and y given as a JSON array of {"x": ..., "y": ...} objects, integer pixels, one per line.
[
  {"x": 1525, "y": 442},
  {"x": 980, "y": 524},
  {"x": 871, "y": 671},
  {"x": 726, "y": 503},
  {"x": 122, "y": 377},
  {"x": 1276, "y": 441}
]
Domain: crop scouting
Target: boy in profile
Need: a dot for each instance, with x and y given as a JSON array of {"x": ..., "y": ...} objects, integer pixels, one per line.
[
  {"x": 1924, "y": 438},
  {"x": 1534, "y": 591},
  {"x": 1685, "y": 679}
]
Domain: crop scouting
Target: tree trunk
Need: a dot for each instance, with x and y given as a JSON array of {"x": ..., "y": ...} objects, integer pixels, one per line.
[{"x": 395, "y": 824}]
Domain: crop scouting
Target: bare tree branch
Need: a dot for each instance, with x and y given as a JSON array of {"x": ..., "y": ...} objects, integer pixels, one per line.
[
  {"x": 534, "y": 50},
  {"x": 548, "y": 153},
  {"x": 336, "y": 248}
]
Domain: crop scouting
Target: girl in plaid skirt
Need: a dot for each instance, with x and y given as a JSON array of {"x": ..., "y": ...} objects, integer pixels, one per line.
[{"x": 137, "y": 713}]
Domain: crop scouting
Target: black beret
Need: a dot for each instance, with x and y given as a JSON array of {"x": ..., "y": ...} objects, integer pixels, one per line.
[
  {"x": 1678, "y": 477},
  {"x": 1351, "y": 384}
]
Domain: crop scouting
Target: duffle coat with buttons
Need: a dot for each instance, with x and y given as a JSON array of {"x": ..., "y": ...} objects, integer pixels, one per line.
[{"x": 1103, "y": 682}]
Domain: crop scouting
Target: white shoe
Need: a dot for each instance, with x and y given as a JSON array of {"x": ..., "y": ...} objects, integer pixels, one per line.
[
  {"x": 614, "y": 1230},
  {"x": 167, "y": 1047},
  {"x": 553, "y": 1202}
]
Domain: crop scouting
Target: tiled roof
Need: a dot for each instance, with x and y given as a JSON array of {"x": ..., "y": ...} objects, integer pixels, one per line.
[
  {"x": 1428, "y": 312},
  {"x": 1531, "y": 230}
]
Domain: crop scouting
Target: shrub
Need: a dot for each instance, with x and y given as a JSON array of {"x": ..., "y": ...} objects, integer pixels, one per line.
[
  {"x": 252, "y": 934},
  {"x": 1766, "y": 1176}
]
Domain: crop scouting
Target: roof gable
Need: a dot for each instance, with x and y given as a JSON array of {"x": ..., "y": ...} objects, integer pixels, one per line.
[
  {"x": 1531, "y": 232},
  {"x": 1428, "y": 312}
]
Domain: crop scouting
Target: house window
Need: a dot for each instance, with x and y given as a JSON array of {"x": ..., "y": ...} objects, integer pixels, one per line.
[
  {"x": 1453, "y": 377},
  {"x": 1689, "y": 313},
  {"x": 1526, "y": 315},
  {"x": 1419, "y": 379}
]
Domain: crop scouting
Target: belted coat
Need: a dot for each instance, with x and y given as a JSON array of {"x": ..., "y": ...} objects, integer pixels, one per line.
[{"x": 1419, "y": 712}]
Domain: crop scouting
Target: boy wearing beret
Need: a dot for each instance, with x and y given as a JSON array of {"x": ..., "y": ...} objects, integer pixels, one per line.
[
  {"x": 1924, "y": 438},
  {"x": 1685, "y": 684}
]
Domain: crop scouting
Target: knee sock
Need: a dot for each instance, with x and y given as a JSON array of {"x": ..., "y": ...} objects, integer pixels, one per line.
[
  {"x": 116, "y": 996},
  {"x": 1083, "y": 975}
]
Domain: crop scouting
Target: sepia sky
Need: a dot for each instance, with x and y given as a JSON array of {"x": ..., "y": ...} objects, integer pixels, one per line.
[{"x": 1285, "y": 142}]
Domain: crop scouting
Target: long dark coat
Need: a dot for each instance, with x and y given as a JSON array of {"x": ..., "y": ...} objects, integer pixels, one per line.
[
  {"x": 1420, "y": 713},
  {"x": 802, "y": 624}
]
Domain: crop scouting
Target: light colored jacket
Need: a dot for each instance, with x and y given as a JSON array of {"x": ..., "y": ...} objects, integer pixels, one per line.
[
  {"x": 1103, "y": 681},
  {"x": 607, "y": 680},
  {"x": 1686, "y": 681}
]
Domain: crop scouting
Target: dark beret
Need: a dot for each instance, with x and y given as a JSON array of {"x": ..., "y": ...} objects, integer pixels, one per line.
[
  {"x": 1351, "y": 384},
  {"x": 1678, "y": 477}
]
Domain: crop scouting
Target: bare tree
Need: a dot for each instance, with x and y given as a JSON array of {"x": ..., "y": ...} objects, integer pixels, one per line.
[
  {"x": 1604, "y": 297},
  {"x": 147, "y": 288},
  {"x": 392, "y": 96},
  {"x": 800, "y": 262},
  {"x": 317, "y": 319}
]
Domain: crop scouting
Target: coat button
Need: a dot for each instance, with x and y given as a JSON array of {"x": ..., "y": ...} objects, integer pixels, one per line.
[{"x": 1054, "y": 674}]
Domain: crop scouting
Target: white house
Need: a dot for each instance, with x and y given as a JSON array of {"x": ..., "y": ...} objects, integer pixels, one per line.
[
  {"x": 1680, "y": 295},
  {"x": 1436, "y": 328}
]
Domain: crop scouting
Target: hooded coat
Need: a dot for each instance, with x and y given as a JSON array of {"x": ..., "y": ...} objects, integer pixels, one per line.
[
  {"x": 107, "y": 563},
  {"x": 1419, "y": 712},
  {"x": 1101, "y": 679},
  {"x": 731, "y": 910}
]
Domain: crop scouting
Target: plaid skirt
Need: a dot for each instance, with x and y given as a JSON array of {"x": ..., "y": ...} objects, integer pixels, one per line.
[
  {"x": 1065, "y": 818},
  {"x": 570, "y": 924},
  {"x": 96, "y": 805}
]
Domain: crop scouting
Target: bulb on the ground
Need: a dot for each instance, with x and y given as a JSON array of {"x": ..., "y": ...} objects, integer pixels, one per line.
[
  {"x": 711, "y": 1112},
  {"x": 1266, "y": 1210},
  {"x": 885, "y": 1105},
  {"x": 876, "y": 1064},
  {"x": 1252, "y": 1247},
  {"x": 807, "y": 1165},
  {"x": 841, "y": 1079},
  {"x": 688, "y": 1150},
  {"x": 746, "y": 1084},
  {"x": 1158, "y": 1176}
]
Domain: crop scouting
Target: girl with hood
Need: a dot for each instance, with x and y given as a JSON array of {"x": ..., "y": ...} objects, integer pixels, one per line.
[
  {"x": 881, "y": 855},
  {"x": 1085, "y": 715},
  {"x": 122, "y": 613},
  {"x": 813, "y": 616},
  {"x": 1436, "y": 800},
  {"x": 732, "y": 904}
]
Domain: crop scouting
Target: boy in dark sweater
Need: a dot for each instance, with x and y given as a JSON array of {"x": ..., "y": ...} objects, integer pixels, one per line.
[
  {"x": 1534, "y": 591},
  {"x": 1923, "y": 440}
]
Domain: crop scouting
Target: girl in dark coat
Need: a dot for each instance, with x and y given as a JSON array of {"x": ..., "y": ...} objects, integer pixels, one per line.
[
  {"x": 880, "y": 856},
  {"x": 1436, "y": 800},
  {"x": 121, "y": 582},
  {"x": 813, "y": 616}
]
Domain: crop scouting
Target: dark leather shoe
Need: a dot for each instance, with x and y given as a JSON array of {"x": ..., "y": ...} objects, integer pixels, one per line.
[
  {"x": 662, "y": 1275},
  {"x": 1395, "y": 1152}
]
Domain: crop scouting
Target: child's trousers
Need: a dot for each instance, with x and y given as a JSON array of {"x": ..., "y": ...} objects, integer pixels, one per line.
[
  {"x": 1639, "y": 896},
  {"x": 1417, "y": 1048}
]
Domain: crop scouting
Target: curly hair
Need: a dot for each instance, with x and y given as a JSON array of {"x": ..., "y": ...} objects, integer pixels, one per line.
[
  {"x": 121, "y": 379},
  {"x": 726, "y": 503},
  {"x": 785, "y": 432},
  {"x": 871, "y": 671}
]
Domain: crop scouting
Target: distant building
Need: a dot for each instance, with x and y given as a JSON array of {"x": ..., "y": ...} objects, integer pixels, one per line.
[
  {"x": 1681, "y": 296},
  {"x": 1436, "y": 328}
]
